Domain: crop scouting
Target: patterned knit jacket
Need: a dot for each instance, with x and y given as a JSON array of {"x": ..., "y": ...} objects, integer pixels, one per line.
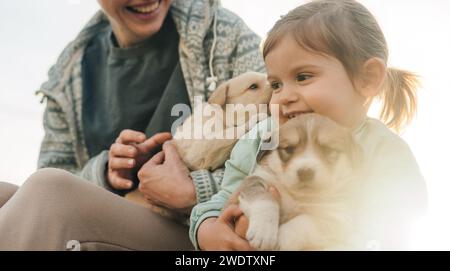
[{"x": 236, "y": 51}]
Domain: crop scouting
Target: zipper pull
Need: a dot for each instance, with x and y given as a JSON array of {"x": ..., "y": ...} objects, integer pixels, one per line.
[{"x": 41, "y": 95}]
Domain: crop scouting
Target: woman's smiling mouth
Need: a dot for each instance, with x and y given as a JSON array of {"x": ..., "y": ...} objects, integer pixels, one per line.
[{"x": 144, "y": 9}]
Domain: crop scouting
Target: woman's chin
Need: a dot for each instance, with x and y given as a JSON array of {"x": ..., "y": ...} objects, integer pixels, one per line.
[{"x": 136, "y": 34}]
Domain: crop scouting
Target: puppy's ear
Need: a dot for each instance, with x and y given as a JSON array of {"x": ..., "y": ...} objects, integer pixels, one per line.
[{"x": 219, "y": 96}]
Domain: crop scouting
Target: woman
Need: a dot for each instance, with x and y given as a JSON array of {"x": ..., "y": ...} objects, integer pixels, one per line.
[{"x": 109, "y": 97}]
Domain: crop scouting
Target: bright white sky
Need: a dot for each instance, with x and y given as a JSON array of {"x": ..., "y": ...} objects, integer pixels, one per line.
[{"x": 33, "y": 33}]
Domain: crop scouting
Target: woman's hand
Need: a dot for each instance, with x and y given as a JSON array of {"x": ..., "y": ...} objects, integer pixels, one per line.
[
  {"x": 165, "y": 181},
  {"x": 130, "y": 151},
  {"x": 219, "y": 233}
]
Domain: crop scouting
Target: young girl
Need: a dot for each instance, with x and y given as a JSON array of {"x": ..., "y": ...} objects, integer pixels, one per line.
[{"x": 330, "y": 57}]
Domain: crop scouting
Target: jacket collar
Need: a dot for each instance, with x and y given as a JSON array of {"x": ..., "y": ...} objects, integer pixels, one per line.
[{"x": 192, "y": 19}]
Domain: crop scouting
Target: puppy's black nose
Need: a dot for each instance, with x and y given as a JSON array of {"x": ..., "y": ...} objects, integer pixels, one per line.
[{"x": 306, "y": 174}]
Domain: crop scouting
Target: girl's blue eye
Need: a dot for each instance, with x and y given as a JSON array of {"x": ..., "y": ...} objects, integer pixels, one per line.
[{"x": 303, "y": 77}]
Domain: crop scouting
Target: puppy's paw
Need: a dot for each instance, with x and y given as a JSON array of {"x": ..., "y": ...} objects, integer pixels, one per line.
[
  {"x": 263, "y": 218},
  {"x": 263, "y": 235}
]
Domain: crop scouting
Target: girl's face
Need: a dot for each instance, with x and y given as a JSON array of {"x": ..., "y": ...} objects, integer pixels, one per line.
[
  {"x": 304, "y": 82},
  {"x": 135, "y": 20}
]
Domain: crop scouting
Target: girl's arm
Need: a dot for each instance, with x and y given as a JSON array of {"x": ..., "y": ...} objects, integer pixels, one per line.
[
  {"x": 237, "y": 168},
  {"x": 206, "y": 183},
  {"x": 217, "y": 233},
  {"x": 241, "y": 162},
  {"x": 213, "y": 208}
]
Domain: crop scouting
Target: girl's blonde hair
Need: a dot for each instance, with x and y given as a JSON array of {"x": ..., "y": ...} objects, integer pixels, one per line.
[{"x": 346, "y": 30}]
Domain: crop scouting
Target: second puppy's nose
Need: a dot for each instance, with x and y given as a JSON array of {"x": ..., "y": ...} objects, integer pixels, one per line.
[{"x": 306, "y": 174}]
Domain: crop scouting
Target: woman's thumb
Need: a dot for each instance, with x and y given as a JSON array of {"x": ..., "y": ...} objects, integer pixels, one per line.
[
  {"x": 157, "y": 159},
  {"x": 171, "y": 152}
]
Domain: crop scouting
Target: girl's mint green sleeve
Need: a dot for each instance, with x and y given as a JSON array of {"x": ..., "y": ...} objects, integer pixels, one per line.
[
  {"x": 212, "y": 208},
  {"x": 240, "y": 164}
]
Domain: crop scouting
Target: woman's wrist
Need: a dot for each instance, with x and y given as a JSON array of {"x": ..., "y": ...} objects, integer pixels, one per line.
[
  {"x": 188, "y": 197},
  {"x": 192, "y": 198}
]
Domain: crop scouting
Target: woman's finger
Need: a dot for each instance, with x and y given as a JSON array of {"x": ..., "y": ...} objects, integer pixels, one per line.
[
  {"x": 120, "y": 183},
  {"x": 116, "y": 163},
  {"x": 130, "y": 136},
  {"x": 155, "y": 141},
  {"x": 121, "y": 150}
]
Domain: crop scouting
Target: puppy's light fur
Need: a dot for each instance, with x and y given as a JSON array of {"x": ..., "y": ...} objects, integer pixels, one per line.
[
  {"x": 249, "y": 88},
  {"x": 315, "y": 169},
  {"x": 209, "y": 152}
]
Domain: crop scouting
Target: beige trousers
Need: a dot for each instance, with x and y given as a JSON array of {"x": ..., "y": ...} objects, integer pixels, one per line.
[{"x": 56, "y": 210}]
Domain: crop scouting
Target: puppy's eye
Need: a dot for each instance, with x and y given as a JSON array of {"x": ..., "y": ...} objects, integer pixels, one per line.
[
  {"x": 286, "y": 153},
  {"x": 330, "y": 153},
  {"x": 253, "y": 87}
]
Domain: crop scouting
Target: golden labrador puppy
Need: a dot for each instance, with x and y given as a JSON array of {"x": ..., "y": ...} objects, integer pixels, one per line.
[
  {"x": 206, "y": 138},
  {"x": 231, "y": 111}
]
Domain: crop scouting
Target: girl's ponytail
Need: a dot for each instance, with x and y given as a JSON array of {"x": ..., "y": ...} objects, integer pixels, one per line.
[{"x": 399, "y": 98}]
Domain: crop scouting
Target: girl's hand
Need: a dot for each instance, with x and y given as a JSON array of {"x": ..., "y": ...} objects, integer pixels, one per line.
[
  {"x": 241, "y": 226},
  {"x": 218, "y": 233},
  {"x": 130, "y": 151}
]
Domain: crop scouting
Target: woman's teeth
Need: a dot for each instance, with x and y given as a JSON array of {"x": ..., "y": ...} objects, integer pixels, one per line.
[{"x": 146, "y": 9}]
